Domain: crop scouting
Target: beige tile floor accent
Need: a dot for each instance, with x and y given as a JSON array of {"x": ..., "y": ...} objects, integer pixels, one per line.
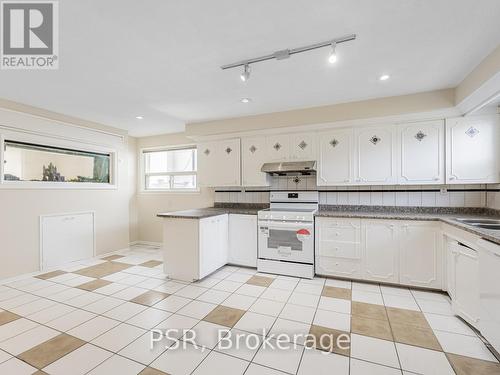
[
  {"x": 333, "y": 292},
  {"x": 93, "y": 285},
  {"x": 50, "y": 275},
  {"x": 7, "y": 317},
  {"x": 50, "y": 351},
  {"x": 113, "y": 257},
  {"x": 151, "y": 263},
  {"x": 224, "y": 316},
  {"x": 112, "y": 303},
  {"x": 150, "y": 298},
  {"x": 260, "y": 281}
]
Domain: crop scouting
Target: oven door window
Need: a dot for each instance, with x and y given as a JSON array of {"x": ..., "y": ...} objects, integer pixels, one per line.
[{"x": 283, "y": 238}]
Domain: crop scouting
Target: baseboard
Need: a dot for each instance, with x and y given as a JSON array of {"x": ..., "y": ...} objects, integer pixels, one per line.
[{"x": 148, "y": 243}]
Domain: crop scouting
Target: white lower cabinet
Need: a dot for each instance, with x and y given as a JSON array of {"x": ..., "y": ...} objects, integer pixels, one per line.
[
  {"x": 421, "y": 254},
  {"x": 338, "y": 247},
  {"x": 464, "y": 281},
  {"x": 380, "y": 251},
  {"x": 391, "y": 251},
  {"x": 243, "y": 240}
]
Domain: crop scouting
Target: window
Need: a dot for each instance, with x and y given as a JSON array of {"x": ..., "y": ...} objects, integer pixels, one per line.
[
  {"x": 173, "y": 169},
  {"x": 39, "y": 163}
]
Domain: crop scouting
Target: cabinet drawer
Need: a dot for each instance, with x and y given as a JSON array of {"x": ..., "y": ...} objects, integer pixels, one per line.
[
  {"x": 337, "y": 249},
  {"x": 330, "y": 266},
  {"x": 341, "y": 233}
]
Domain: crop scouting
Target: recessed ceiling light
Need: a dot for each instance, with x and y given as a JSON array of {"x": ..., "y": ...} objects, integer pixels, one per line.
[
  {"x": 246, "y": 100},
  {"x": 384, "y": 77},
  {"x": 139, "y": 117}
]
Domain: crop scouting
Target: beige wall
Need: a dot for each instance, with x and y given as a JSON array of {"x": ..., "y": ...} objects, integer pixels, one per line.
[
  {"x": 485, "y": 70},
  {"x": 20, "y": 209},
  {"x": 391, "y": 106},
  {"x": 150, "y": 204}
]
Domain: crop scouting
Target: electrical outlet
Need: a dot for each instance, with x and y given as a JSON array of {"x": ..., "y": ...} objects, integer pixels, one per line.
[{"x": 444, "y": 191}]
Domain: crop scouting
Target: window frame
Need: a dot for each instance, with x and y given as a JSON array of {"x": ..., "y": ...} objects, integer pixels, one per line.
[
  {"x": 143, "y": 175},
  {"x": 49, "y": 142}
]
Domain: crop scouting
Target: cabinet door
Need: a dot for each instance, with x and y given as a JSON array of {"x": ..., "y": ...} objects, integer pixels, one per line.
[
  {"x": 420, "y": 252},
  {"x": 466, "y": 301},
  {"x": 243, "y": 240},
  {"x": 422, "y": 153},
  {"x": 335, "y": 166},
  {"x": 207, "y": 163},
  {"x": 253, "y": 155},
  {"x": 375, "y": 156},
  {"x": 472, "y": 151},
  {"x": 278, "y": 147},
  {"x": 451, "y": 253},
  {"x": 227, "y": 170},
  {"x": 302, "y": 146},
  {"x": 380, "y": 251}
]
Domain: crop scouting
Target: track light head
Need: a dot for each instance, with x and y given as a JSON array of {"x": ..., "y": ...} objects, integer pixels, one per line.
[
  {"x": 332, "y": 59},
  {"x": 246, "y": 73}
]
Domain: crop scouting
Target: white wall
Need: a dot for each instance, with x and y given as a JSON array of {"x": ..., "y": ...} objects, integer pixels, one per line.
[
  {"x": 149, "y": 204},
  {"x": 20, "y": 209}
]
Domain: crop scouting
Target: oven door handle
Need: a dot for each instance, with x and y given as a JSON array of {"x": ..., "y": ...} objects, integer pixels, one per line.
[{"x": 286, "y": 224}]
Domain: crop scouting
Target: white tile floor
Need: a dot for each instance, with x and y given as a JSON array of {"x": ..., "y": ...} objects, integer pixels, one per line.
[{"x": 117, "y": 331}]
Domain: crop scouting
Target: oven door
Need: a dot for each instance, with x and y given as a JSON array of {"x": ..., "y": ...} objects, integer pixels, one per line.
[{"x": 286, "y": 241}]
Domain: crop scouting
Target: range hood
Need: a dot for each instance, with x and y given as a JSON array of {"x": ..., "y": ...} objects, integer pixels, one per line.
[{"x": 290, "y": 168}]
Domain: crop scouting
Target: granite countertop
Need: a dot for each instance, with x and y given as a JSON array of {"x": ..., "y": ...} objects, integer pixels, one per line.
[
  {"x": 444, "y": 214},
  {"x": 201, "y": 213}
]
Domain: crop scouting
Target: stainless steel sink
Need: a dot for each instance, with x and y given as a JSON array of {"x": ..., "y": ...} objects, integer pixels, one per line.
[
  {"x": 492, "y": 224},
  {"x": 488, "y": 226},
  {"x": 479, "y": 221}
]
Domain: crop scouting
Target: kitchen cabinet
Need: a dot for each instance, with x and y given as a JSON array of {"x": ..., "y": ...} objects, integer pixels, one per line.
[
  {"x": 243, "y": 240},
  {"x": 335, "y": 158},
  {"x": 302, "y": 146},
  {"x": 422, "y": 153},
  {"x": 472, "y": 152},
  {"x": 465, "y": 283},
  {"x": 380, "y": 251},
  {"x": 254, "y": 155},
  {"x": 375, "y": 158},
  {"x": 219, "y": 163},
  {"x": 278, "y": 148},
  {"x": 420, "y": 254},
  {"x": 393, "y": 251},
  {"x": 194, "y": 248},
  {"x": 338, "y": 247}
]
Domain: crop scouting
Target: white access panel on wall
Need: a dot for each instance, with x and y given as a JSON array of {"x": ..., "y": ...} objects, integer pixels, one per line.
[{"x": 66, "y": 238}]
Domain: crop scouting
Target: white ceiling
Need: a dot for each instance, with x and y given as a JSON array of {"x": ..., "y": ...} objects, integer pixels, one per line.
[{"x": 161, "y": 58}]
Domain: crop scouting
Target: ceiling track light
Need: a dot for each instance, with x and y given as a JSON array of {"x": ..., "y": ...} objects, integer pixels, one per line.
[
  {"x": 332, "y": 59},
  {"x": 246, "y": 73},
  {"x": 286, "y": 53}
]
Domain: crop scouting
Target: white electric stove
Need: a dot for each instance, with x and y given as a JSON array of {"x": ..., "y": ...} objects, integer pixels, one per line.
[{"x": 286, "y": 234}]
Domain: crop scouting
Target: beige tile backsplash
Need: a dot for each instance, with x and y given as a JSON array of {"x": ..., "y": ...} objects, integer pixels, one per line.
[{"x": 391, "y": 197}]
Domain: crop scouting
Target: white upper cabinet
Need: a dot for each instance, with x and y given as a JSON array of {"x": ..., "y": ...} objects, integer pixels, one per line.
[
  {"x": 335, "y": 158},
  {"x": 278, "y": 147},
  {"x": 302, "y": 146},
  {"x": 253, "y": 155},
  {"x": 207, "y": 160},
  {"x": 375, "y": 162},
  {"x": 219, "y": 163},
  {"x": 422, "y": 153},
  {"x": 472, "y": 152}
]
